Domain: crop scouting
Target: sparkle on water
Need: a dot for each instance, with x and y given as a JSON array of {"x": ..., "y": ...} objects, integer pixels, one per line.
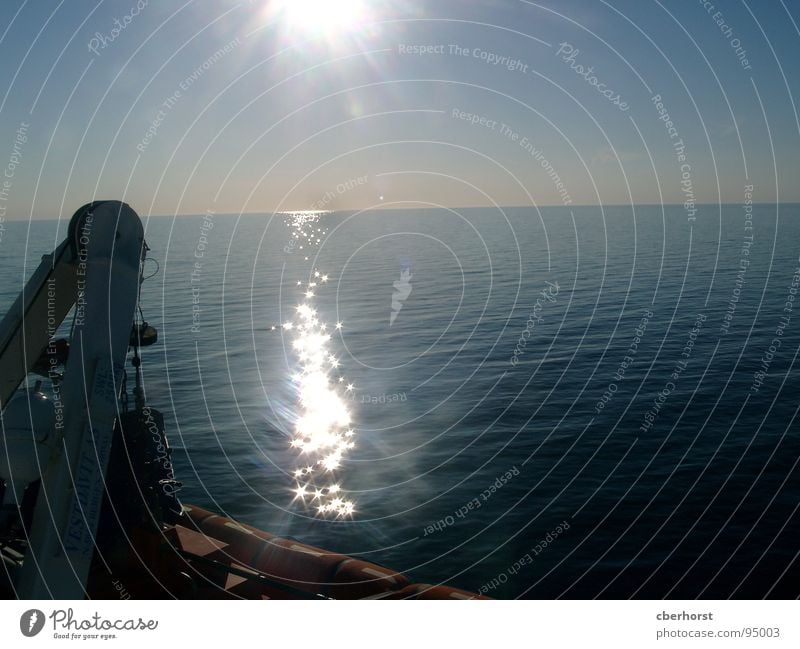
[{"x": 322, "y": 432}]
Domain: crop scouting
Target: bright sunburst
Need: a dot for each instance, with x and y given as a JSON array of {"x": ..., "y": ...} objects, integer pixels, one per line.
[{"x": 328, "y": 17}]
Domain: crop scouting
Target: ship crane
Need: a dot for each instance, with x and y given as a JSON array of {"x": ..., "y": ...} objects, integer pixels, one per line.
[{"x": 65, "y": 440}]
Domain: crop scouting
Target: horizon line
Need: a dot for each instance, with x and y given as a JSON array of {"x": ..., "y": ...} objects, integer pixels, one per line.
[{"x": 390, "y": 207}]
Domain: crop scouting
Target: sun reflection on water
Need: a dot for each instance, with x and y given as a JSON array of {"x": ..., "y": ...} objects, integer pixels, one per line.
[{"x": 322, "y": 434}]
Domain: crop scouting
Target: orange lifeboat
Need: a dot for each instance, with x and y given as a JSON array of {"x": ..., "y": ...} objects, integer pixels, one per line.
[{"x": 206, "y": 555}]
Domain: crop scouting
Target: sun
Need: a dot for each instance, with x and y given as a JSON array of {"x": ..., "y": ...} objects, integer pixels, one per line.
[{"x": 323, "y": 17}]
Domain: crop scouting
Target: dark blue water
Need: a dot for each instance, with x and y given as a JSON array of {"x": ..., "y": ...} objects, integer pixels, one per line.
[{"x": 476, "y": 465}]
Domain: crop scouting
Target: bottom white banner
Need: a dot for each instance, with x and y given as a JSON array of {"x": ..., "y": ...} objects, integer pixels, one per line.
[{"x": 334, "y": 624}]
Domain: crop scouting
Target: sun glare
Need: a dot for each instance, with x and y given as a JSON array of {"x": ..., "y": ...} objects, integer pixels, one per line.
[
  {"x": 327, "y": 17},
  {"x": 323, "y": 435}
]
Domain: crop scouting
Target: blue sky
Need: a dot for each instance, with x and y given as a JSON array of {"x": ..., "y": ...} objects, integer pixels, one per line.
[{"x": 250, "y": 106}]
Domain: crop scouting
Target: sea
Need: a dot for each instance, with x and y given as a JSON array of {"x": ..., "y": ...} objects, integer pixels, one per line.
[{"x": 555, "y": 402}]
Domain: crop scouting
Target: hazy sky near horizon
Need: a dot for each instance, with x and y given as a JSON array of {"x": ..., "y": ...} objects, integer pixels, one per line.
[{"x": 239, "y": 106}]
